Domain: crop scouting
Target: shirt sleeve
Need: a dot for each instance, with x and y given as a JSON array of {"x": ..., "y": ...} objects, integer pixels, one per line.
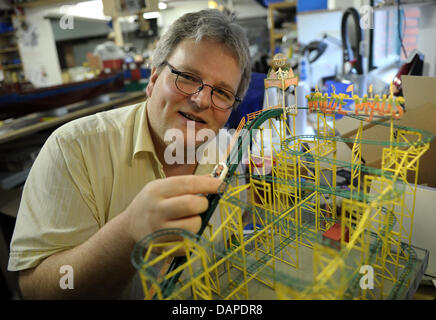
[{"x": 57, "y": 209}]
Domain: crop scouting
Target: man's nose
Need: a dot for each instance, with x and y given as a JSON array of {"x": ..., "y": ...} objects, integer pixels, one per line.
[{"x": 203, "y": 97}]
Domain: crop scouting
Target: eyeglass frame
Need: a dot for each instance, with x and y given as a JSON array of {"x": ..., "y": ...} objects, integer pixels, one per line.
[{"x": 178, "y": 73}]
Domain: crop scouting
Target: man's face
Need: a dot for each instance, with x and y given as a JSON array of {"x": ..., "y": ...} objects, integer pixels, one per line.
[{"x": 168, "y": 107}]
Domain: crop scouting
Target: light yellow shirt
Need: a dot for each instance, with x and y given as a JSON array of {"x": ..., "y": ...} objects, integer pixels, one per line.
[{"x": 87, "y": 172}]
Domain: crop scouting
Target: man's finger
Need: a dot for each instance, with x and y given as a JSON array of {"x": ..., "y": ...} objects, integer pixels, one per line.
[
  {"x": 189, "y": 184},
  {"x": 191, "y": 224},
  {"x": 183, "y": 206}
]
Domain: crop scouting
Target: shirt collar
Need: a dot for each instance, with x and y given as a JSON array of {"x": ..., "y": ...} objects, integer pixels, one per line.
[{"x": 142, "y": 141}]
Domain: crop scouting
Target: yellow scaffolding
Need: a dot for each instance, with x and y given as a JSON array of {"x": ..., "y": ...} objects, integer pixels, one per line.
[{"x": 300, "y": 246}]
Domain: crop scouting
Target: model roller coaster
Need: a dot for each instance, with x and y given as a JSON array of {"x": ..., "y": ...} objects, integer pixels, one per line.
[{"x": 288, "y": 229}]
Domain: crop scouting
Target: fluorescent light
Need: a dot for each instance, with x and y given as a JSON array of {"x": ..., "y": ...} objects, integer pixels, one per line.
[
  {"x": 151, "y": 15},
  {"x": 87, "y": 9},
  {"x": 162, "y": 5}
]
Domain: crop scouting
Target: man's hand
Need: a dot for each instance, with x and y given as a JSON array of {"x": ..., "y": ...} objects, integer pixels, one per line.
[{"x": 174, "y": 202}]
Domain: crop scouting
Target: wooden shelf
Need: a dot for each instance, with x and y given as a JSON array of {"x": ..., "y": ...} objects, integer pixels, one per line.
[
  {"x": 123, "y": 100},
  {"x": 7, "y": 34},
  {"x": 9, "y": 50},
  {"x": 43, "y": 3},
  {"x": 273, "y": 34},
  {"x": 281, "y": 5},
  {"x": 278, "y": 35},
  {"x": 12, "y": 66}
]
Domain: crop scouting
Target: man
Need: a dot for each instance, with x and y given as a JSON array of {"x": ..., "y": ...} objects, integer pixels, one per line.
[{"x": 101, "y": 183}]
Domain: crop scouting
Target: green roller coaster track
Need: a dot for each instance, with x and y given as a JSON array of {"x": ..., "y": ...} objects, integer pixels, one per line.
[{"x": 236, "y": 153}]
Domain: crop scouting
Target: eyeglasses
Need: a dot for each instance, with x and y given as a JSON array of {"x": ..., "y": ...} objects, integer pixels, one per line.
[{"x": 190, "y": 84}]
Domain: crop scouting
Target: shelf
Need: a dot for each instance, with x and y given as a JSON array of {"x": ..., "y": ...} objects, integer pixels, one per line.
[
  {"x": 275, "y": 34},
  {"x": 282, "y": 5},
  {"x": 118, "y": 101},
  {"x": 9, "y": 50},
  {"x": 41, "y": 3},
  {"x": 12, "y": 66},
  {"x": 7, "y": 34}
]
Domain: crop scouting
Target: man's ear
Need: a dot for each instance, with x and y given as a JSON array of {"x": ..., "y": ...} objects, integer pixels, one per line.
[{"x": 153, "y": 77}]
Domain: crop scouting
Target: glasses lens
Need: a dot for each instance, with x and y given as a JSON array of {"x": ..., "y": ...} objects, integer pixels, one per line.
[
  {"x": 188, "y": 83},
  {"x": 223, "y": 99}
]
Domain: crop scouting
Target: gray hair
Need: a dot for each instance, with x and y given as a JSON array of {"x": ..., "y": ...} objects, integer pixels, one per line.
[{"x": 210, "y": 24}]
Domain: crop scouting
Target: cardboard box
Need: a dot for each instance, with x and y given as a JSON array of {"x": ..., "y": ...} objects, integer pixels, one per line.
[{"x": 420, "y": 95}]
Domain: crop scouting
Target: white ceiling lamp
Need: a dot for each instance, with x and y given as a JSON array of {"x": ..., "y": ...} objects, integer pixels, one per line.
[
  {"x": 88, "y": 9},
  {"x": 162, "y": 5}
]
